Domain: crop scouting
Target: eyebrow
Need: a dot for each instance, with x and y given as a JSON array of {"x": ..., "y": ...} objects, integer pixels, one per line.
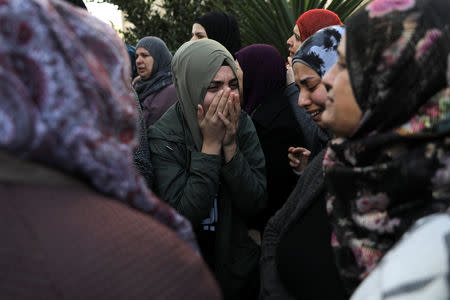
[
  {"x": 216, "y": 82},
  {"x": 222, "y": 82},
  {"x": 304, "y": 80}
]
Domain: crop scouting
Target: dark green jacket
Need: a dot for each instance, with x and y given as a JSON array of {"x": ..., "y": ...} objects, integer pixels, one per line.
[{"x": 189, "y": 180}]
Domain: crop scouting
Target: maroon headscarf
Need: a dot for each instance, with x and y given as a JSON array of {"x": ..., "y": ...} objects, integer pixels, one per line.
[
  {"x": 314, "y": 19},
  {"x": 264, "y": 73},
  {"x": 66, "y": 101}
]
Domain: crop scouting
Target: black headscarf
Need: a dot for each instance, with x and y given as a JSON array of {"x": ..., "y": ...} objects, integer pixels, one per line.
[
  {"x": 223, "y": 28},
  {"x": 395, "y": 169},
  {"x": 264, "y": 73}
]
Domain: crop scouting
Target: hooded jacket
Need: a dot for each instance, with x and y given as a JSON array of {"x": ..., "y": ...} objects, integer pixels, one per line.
[{"x": 190, "y": 180}]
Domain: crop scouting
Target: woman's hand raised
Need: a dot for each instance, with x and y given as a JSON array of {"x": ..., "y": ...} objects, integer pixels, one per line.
[
  {"x": 212, "y": 127},
  {"x": 230, "y": 118},
  {"x": 298, "y": 158}
]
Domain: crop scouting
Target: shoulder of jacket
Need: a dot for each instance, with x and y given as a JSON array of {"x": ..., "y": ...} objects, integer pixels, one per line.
[{"x": 169, "y": 126}]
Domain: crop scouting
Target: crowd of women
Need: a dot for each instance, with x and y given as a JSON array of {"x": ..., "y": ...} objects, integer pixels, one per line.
[{"x": 221, "y": 171}]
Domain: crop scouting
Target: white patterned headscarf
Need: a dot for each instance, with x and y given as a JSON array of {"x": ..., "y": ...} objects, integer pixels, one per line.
[{"x": 319, "y": 51}]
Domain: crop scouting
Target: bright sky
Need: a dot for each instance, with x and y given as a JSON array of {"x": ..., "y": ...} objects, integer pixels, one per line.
[{"x": 106, "y": 12}]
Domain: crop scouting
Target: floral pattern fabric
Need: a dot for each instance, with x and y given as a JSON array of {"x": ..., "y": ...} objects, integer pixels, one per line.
[{"x": 395, "y": 168}]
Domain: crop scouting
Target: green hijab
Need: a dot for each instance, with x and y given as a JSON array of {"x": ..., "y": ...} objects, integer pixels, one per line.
[{"x": 194, "y": 65}]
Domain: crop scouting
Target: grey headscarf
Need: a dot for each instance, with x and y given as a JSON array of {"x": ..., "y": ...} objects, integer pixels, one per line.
[
  {"x": 319, "y": 51},
  {"x": 160, "y": 76},
  {"x": 194, "y": 65}
]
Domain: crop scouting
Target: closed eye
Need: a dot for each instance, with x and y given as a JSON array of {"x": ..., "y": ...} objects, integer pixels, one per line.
[
  {"x": 341, "y": 65},
  {"x": 234, "y": 84},
  {"x": 213, "y": 88}
]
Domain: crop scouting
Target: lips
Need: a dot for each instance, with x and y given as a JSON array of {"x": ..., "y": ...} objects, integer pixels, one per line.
[{"x": 315, "y": 114}]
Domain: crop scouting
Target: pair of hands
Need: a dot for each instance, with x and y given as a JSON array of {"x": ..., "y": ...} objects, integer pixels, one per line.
[
  {"x": 219, "y": 124},
  {"x": 298, "y": 158}
]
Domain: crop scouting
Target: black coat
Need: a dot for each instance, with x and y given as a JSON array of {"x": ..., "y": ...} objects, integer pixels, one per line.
[
  {"x": 278, "y": 129},
  {"x": 304, "y": 213}
]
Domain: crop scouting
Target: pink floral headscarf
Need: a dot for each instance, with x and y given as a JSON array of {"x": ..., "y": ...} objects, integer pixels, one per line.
[
  {"x": 395, "y": 168},
  {"x": 66, "y": 101}
]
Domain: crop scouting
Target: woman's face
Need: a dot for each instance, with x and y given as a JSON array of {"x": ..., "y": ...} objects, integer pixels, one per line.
[
  {"x": 198, "y": 32},
  {"x": 313, "y": 94},
  {"x": 294, "y": 41},
  {"x": 240, "y": 76},
  {"x": 342, "y": 113},
  {"x": 144, "y": 63},
  {"x": 224, "y": 78}
]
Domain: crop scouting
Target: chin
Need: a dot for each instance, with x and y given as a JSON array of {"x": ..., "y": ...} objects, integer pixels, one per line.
[{"x": 320, "y": 124}]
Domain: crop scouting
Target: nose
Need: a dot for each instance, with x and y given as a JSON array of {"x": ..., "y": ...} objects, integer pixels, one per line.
[
  {"x": 289, "y": 41},
  {"x": 138, "y": 59},
  {"x": 194, "y": 37},
  {"x": 329, "y": 78},
  {"x": 304, "y": 99}
]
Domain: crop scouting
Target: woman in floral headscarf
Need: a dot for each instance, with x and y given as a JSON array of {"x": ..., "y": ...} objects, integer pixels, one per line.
[
  {"x": 390, "y": 105},
  {"x": 67, "y": 133}
]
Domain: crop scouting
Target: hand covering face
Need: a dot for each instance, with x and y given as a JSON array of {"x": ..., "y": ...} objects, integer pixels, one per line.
[{"x": 194, "y": 65}]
